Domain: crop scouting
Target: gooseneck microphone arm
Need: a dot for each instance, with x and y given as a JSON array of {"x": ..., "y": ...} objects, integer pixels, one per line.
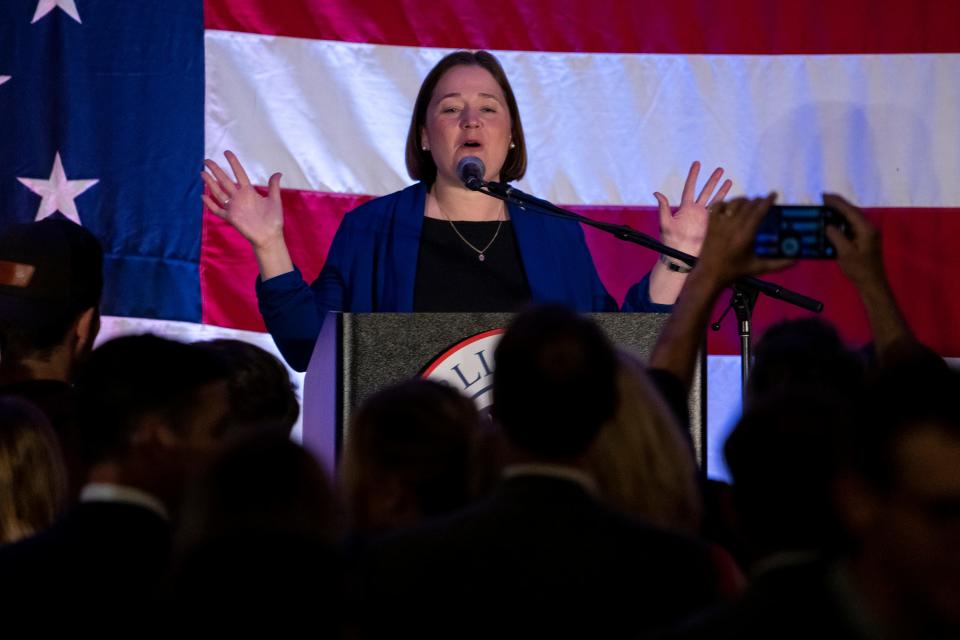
[{"x": 525, "y": 201}]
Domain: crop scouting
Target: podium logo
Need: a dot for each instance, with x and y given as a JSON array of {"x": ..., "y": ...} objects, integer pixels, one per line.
[{"x": 468, "y": 367}]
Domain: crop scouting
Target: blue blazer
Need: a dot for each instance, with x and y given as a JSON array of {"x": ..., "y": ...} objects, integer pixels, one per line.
[{"x": 372, "y": 265}]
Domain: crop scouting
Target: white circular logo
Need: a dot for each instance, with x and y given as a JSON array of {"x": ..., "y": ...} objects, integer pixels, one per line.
[{"x": 468, "y": 367}]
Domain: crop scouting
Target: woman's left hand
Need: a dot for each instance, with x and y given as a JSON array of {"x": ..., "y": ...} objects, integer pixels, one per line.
[{"x": 686, "y": 228}]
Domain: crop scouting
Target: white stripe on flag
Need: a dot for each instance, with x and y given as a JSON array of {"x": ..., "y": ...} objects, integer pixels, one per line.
[{"x": 603, "y": 128}]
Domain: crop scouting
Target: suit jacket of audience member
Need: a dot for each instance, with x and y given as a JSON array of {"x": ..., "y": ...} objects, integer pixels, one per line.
[
  {"x": 541, "y": 557},
  {"x": 101, "y": 557},
  {"x": 271, "y": 578},
  {"x": 797, "y": 601}
]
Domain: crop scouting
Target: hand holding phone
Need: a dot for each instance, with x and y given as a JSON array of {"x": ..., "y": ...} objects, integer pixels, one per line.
[{"x": 859, "y": 250}]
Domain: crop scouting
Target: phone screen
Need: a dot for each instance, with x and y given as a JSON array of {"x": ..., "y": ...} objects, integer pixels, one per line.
[{"x": 797, "y": 231}]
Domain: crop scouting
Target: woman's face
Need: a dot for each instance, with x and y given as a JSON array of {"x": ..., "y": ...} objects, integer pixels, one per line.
[{"x": 467, "y": 116}]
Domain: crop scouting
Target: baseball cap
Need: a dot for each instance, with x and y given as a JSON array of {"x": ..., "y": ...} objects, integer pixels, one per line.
[{"x": 50, "y": 270}]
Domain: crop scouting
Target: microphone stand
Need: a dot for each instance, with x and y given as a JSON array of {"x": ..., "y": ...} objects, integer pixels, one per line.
[
  {"x": 742, "y": 302},
  {"x": 745, "y": 290}
]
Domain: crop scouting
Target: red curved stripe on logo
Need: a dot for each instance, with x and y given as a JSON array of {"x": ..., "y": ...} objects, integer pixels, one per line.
[{"x": 460, "y": 345}]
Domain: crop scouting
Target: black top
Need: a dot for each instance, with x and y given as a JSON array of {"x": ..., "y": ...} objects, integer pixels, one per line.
[{"x": 451, "y": 277}]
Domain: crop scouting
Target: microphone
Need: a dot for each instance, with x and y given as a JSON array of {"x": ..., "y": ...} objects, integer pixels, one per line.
[{"x": 470, "y": 170}]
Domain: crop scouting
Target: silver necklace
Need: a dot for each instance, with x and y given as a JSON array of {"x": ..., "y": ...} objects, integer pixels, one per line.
[{"x": 481, "y": 253}]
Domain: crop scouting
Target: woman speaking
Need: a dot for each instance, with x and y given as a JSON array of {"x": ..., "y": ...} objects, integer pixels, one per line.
[{"x": 436, "y": 245}]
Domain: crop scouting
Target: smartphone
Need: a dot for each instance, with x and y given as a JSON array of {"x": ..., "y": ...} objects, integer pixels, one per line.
[{"x": 797, "y": 231}]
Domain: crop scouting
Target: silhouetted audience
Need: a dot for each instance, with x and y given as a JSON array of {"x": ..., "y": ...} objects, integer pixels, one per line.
[
  {"x": 892, "y": 570},
  {"x": 543, "y": 555},
  {"x": 804, "y": 356},
  {"x": 819, "y": 464},
  {"x": 149, "y": 412},
  {"x": 406, "y": 456},
  {"x": 33, "y": 482},
  {"x": 257, "y": 540},
  {"x": 642, "y": 462},
  {"x": 261, "y": 393},
  {"x": 51, "y": 280},
  {"x": 580, "y": 519},
  {"x": 644, "y": 466},
  {"x": 783, "y": 457},
  {"x": 899, "y": 500}
]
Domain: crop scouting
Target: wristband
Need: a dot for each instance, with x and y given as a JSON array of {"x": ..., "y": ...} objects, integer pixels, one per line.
[{"x": 675, "y": 266}]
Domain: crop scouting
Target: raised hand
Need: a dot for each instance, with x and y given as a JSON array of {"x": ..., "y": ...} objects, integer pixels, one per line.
[
  {"x": 686, "y": 228},
  {"x": 259, "y": 219}
]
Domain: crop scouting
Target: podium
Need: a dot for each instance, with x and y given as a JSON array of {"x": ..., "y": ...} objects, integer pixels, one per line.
[{"x": 357, "y": 354}]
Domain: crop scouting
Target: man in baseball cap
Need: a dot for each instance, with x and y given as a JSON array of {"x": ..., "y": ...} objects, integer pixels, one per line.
[{"x": 51, "y": 280}]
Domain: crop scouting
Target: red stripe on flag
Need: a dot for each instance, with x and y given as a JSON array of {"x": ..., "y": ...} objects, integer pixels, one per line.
[
  {"x": 918, "y": 243},
  {"x": 610, "y": 26}
]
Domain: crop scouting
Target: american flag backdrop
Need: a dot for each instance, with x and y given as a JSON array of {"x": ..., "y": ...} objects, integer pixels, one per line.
[{"x": 108, "y": 107}]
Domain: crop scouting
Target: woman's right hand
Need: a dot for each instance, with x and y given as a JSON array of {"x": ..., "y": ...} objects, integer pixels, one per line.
[{"x": 259, "y": 219}]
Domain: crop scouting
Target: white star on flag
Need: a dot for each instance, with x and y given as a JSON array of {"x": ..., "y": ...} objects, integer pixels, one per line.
[
  {"x": 4, "y": 79},
  {"x": 46, "y": 6},
  {"x": 57, "y": 192}
]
